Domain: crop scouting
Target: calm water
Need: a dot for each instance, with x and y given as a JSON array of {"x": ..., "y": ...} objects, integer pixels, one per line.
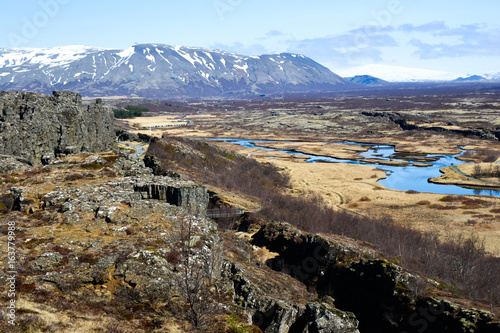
[{"x": 398, "y": 178}]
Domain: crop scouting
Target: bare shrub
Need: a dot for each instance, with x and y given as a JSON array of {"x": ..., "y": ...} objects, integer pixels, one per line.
[
  {"x": 489, "y": 155},
  {"x": 6, "y": 203},
  {"x": 490, "y": 171},
  {"x": 195, "y": 281}
]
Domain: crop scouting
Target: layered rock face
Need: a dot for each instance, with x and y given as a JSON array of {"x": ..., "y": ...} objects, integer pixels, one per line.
[
  {"x": 34, "y": 125},
  {"x": 185, "y": 194}
]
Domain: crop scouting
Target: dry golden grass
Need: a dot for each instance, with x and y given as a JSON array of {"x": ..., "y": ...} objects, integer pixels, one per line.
[
  {"x": 154, "y": 121},
  {"x": 73, "y": 322},
  {"x": 330, "y": 149},
  {"x": 352, "y": 187}
]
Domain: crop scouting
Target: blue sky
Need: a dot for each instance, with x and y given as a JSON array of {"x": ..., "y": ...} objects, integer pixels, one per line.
[{"x": 460, "y": 36}]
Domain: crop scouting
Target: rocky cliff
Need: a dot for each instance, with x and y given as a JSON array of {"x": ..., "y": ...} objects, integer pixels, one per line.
[
  {"x": 382, "y": 296},
  {"x": 33, "y": 125}
]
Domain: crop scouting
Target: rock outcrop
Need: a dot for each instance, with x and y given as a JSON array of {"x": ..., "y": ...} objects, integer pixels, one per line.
[
  {"x": 276, "y": 311},
  {"x": 189, "y": 195},
  {"x": 33, "y": 125},
  {"x": 378, "y": 292},
  {"x": 407, "y": 123}
]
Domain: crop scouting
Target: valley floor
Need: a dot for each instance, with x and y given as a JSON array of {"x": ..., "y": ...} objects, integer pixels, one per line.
[{"x": 355, "y": 187}]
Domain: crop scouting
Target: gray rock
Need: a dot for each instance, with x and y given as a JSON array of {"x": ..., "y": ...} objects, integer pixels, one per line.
[
  {"x": 276, "y": 315},
  {"x": 126, "y": 167},
  {"x": 323, "y": 318},
  {"x": 190, "y": 195},
  {"x": 127, "y": 136},
  {"x": 10, "y": 163},
  {"x": 34, "y": 126},
  {"x": 48, "y": 158}
]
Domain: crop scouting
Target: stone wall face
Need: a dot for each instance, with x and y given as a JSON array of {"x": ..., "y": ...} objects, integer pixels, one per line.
[
  {"x": 33, "y": 125},
  {"x": 189, "y": 195}
]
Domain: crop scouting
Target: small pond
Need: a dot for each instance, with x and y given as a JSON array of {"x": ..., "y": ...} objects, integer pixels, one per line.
[{"x": 402, "y": 178}]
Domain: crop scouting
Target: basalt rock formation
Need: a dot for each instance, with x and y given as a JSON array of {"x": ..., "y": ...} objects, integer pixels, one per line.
[
  {"x": 187, "y": 194},
  {"x": 379, "y": 293},
  {"x": 34, "y": 127}
]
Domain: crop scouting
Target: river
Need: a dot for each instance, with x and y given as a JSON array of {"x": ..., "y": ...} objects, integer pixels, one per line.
[{"x": 402, "y": 178}]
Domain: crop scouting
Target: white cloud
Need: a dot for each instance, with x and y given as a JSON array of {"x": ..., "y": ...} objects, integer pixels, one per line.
[{"x": 404, "y": 45}]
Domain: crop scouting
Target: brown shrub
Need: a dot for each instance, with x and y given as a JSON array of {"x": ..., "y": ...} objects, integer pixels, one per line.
[
  {"x": 452, "y": 198},
  {"x": 88, "y": 258},
  {"x": 412, "y": 192},
  {"x": 448, "y": 208},
  {"x": 130, "y": 231},
  {"x": 61, "y": 250},
  {"x": 173, "y": 257},
  {"x": 73, "y": 177},
  {"x": 6, "y": 203},
  {"x": 435, "y": 206}
]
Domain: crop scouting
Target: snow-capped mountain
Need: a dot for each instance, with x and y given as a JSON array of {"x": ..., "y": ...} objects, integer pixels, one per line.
[
  {"x": 160, "y": 71},
  {"x": 492, "y": 76},
  {"x": 399, "y": 74}
]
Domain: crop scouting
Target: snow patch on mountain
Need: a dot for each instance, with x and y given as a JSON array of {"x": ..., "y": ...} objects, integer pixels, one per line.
[
  {"x": 50, "y": 57},
  {"x": 492, "y": 76}
]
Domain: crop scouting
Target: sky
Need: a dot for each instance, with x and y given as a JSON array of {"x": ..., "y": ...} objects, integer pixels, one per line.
[{"x": 459, "y": 36}]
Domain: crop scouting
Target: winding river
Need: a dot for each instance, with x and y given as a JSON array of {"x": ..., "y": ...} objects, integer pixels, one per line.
[{"x": 402, "y": 178}]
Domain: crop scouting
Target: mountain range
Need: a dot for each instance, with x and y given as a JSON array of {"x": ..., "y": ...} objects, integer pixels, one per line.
[
  {"x": 165, "y": 71},
  {"x": 160, "y": 71}
]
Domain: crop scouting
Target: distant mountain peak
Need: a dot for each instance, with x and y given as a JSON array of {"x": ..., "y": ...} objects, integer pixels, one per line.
[
  {"x": 399, "y": 74},
  {"x": 470, "y": 78},
  {"x": 367, "y": 80}
]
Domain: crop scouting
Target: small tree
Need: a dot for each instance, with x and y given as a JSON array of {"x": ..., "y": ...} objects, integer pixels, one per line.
[{"x": 198, "y": 272}]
